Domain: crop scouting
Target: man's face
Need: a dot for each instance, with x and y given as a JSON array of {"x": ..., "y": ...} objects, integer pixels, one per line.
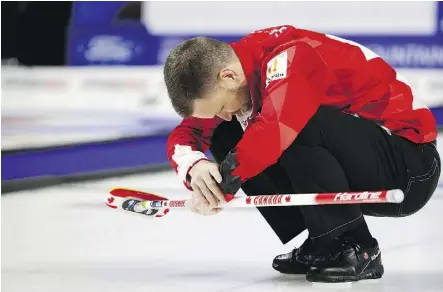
[{"x": 230, "y": 97}]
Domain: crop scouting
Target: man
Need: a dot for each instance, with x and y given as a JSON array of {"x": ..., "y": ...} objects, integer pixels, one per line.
[{"x": 286, "y": 110}]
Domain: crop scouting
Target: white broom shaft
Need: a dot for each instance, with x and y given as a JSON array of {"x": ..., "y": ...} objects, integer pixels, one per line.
[{"x": 366, "y": 197}]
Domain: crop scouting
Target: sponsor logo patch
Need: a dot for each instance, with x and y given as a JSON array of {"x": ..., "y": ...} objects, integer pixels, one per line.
[{"x": 277, "y": 68}]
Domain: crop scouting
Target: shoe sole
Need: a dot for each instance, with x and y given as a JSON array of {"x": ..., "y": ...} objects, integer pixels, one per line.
[
  {"x": 370, "y": 274},
  {"x": 300, "y": 269}
]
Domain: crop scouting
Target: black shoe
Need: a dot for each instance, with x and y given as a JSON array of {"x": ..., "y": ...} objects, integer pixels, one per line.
[
  {"x": 297, "y": 261},
  {"x": 349, "y": 263}
]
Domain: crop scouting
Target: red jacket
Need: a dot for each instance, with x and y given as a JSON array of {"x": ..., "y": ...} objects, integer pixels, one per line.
[{"x": 290, "y": 73}]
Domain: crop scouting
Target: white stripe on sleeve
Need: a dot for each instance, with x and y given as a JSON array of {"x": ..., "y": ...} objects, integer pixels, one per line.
[{"x": 184, "y": 157}]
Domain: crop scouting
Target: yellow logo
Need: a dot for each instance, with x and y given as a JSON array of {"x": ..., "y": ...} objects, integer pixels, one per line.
[{"x": 277, "y": 67}]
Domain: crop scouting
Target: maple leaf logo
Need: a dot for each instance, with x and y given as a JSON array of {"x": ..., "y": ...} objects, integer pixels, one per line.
[
  {"x": 287, "y": 199},
  {"x": 111, "y": 200},
  {"x": 248, "y": 200}
]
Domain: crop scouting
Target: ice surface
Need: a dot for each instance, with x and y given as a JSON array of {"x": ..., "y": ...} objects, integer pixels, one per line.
[{"x": 64, "y": 239}]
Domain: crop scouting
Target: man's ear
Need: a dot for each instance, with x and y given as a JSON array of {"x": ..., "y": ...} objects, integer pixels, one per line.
[
  {"x": 229, "y": 79},
  {"x": 227, "y": 73}
]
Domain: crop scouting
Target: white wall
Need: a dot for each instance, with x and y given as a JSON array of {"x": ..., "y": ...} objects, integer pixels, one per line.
[{"x": 235, "y": 17}]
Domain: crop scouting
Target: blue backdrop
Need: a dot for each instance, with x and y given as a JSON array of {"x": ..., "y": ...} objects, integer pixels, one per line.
[{"x": 96, "y": 36}]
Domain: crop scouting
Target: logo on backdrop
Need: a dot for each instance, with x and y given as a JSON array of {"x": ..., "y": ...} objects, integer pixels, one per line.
[
  {"x": 109, "y": 48},
  {"x": 410, "y": 54}
]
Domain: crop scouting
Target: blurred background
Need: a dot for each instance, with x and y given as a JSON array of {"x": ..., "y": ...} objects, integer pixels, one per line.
[{"x": 82, "y": 88}]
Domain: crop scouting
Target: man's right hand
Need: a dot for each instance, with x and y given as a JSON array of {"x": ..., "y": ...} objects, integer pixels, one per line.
[{"x": 204, "y": 178}]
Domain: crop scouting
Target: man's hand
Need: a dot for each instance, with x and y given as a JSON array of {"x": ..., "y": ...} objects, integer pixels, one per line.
[
  {"x": 202, "y": 208},
  {"x": 207, "y": 195}
]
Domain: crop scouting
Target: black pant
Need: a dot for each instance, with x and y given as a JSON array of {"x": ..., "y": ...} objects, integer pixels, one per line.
[{"x": 338, "y": 152}]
